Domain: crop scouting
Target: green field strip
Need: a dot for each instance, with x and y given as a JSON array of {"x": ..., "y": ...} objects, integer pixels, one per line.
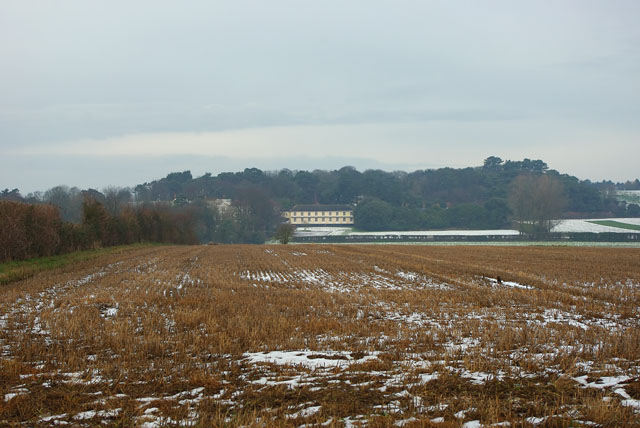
[{"x": 17, "y": 270}]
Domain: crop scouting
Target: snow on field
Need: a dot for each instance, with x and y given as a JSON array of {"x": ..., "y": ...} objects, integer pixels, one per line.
[
  {"x": 322, "y": 231},
  {"x": 309, "y": 359},
  {"x": 439, "y": 233},
  {"x": 574, "y": 225},
  {"x": 345, "y": 282},
  {"x": 582, "y": 226},
  {"x": 511, "y": 284},
  {"x": 338, "y": 231},
  {"x": 398, "y": 380},
  {"x": 16, "y": 392},
  {"x": 587, "y": 226}
]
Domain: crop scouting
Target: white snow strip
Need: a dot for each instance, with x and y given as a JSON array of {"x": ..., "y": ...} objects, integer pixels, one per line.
[
  {"x": 12, "y": 395},
  {"x": 573, "y": 225},
  {"x": 90, "y": 414},
  {"x": 424, "y": 378},
  {"x": 480, "y": 378},
  {"x": 536, "y": 421},
  {"x": 53, "y": 417},
  {"x": 511, "y": 284},
  {"x": 603, "y": 382},
  {"x": 631, "y": 403},
  {"x": 499, "y": 232},
  {"x": 305, "y": 358},
  {"x": 305, "y": 413}
]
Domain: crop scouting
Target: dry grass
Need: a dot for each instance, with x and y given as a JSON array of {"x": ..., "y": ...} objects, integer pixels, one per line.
[{"x": 368, "y": 336}]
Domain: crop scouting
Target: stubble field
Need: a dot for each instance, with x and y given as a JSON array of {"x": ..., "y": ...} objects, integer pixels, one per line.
[{"x": 320, "y": 335}]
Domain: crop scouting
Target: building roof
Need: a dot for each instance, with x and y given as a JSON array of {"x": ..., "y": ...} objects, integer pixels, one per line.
[{"x": 318, "y": 207}]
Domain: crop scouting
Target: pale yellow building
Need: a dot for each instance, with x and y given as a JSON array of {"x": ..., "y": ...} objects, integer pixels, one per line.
[{"x": 320, "y": 215}]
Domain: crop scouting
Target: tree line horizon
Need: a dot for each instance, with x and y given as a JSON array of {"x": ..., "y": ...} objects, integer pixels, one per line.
[{"x": 490, "y": 196}]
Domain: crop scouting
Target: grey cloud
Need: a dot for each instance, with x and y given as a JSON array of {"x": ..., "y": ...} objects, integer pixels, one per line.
[{"x": 74, "y": 70}]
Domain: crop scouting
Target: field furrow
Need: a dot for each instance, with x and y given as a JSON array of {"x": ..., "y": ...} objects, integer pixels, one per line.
[{"x": 319, "y": 335}]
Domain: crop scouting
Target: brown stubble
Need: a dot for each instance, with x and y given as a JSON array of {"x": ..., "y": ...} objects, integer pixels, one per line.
[{"x": 141, "y": 333}]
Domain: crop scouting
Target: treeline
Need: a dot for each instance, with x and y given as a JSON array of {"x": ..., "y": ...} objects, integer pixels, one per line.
[
  {"x": 85, "y": 218},
  {"x": 442, "y": 198},
  {"x": 375, "y": 215},
  {"x": 475, "y": 198},
  {"x": 627, "y": 185},
  {"x": 37, "y": 230},
  {"x": 423, "y": 189}
]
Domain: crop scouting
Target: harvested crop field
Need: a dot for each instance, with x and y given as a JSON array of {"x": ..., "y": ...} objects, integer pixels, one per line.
[{"x": 320, "y": 335}]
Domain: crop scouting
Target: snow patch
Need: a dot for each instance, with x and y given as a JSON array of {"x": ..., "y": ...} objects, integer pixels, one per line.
[{"x": 306, "y": 358}]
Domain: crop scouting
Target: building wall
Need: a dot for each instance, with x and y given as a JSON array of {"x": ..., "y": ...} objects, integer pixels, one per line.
[
  {"x": 222, "y": 205},
  {"x": 320, "y": 218}
]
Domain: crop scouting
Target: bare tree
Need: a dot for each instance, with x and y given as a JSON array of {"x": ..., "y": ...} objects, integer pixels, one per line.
[
  {"x": 116, "y": 199},
  {"x": 536, "y": 202},
  {"x": 285, "y": 232},
  {"x": 69, "y": 200}
]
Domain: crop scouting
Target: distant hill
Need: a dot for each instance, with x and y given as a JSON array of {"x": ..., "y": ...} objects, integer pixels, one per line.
[
  {"x": 474, "y": 197},
  {"x": 466, "y": 198}
]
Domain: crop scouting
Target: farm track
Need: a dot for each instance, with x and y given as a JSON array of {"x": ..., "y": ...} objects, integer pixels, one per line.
[{"x": 321, "y": 335}]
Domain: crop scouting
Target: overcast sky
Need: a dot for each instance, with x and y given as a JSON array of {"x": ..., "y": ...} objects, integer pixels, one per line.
[{"x": 97, "y": 93}]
